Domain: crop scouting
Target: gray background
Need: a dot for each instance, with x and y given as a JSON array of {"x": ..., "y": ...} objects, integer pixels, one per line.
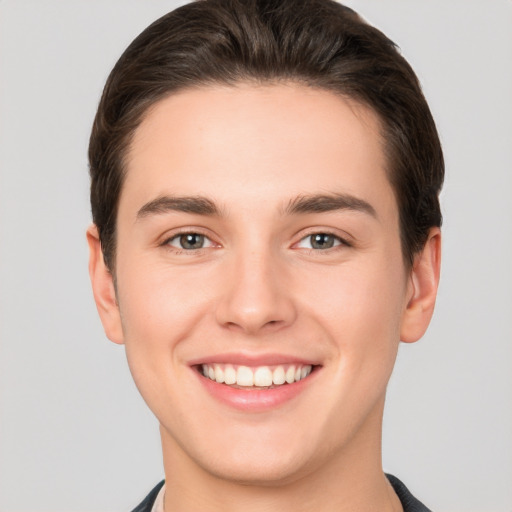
[{"x": 74, "y": 434}]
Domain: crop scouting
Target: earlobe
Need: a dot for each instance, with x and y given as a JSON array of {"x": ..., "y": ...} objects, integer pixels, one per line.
[
  {"x": 103, "y": 288},
  {"x": 422, "y": 289}
]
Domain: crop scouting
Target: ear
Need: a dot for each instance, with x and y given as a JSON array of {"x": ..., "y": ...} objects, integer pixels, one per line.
[
  {"x": 103, "y": 288},
  {"x": 422, "y": 289}
]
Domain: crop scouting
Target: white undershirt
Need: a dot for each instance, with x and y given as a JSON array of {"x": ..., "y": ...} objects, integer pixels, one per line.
[{"x": 158, "y": 506}]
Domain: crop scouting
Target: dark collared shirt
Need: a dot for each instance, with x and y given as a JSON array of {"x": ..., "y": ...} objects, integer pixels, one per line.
[{"x": 409, "y": 502}]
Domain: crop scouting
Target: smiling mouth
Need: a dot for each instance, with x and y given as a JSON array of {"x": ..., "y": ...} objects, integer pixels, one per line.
[{"x": 257, "y": 378}]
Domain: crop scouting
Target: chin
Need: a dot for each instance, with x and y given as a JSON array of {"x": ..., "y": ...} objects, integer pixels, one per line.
[
  {"x": 263, "y": 471},
  {"x": 259, "y": 455}
]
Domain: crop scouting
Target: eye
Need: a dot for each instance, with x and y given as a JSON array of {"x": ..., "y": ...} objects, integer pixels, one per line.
[
  {"x": 320, "y": 241},
  {"x": 190, "y": 241}
]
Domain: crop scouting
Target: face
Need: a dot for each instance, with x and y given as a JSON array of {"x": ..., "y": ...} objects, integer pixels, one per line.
[{"x": 261, "y": 289}]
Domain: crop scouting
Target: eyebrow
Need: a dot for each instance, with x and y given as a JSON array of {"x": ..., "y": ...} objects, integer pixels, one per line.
[
  {"x": 319, "y": 203},
  {"x": 303, "y": 204},
  {"x": 187, "y": 204}
]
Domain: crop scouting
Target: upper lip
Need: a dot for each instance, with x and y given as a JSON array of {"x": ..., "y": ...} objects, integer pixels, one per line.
[{"x": 252, "y": 359}]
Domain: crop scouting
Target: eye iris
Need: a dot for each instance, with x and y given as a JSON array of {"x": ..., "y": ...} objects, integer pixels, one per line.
[
  {"x": 322, "y": 241},
  {"x": 192, "y": 241}
]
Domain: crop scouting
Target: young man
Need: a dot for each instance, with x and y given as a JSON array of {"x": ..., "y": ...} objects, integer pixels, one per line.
[{"x": 265, "y": 180}]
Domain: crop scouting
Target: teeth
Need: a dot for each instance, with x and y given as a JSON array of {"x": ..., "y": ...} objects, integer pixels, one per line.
[
  {"x": 229, "y": 374},
  {"x": 244, "y": 376},
  {"x": 290, "y": 375},
  {"x": 305, "y": 371},
  {"x": 279, "y": 377},
  {"x": 219, "y": 374},
  {"x": 261, "y": 376}
]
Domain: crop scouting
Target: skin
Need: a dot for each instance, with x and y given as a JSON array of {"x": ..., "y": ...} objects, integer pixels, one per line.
[{"x": 258, "y": 287}]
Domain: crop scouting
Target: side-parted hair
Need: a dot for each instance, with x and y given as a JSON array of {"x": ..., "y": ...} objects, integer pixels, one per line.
[{"x": 315, "y": 43}]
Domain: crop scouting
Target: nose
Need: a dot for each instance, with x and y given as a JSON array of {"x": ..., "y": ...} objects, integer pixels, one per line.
[{"x": 256, "y": 296}]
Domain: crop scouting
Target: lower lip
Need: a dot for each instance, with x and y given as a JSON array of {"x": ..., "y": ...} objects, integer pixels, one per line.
[{"x": 256, "y": 400}]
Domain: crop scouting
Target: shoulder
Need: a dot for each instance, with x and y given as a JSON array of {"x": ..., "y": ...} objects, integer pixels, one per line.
[
  {"x": 149, "y": 500},
  {"x": 409, "y": 502}
]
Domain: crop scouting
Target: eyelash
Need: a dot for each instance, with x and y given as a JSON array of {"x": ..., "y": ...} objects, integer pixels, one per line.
[
  {"x": 178, "y": 236},
  {"x": 338, "y": 242}
]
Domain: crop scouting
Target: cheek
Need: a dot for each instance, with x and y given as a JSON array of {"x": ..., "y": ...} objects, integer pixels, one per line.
[
  {"x": 361, "y": 310},
  {"x": 160, "y": 304},
  {"x": 160, "y": 309},
  {"x": 360, "y": 296},
  {"x": 164, "y": 309}
]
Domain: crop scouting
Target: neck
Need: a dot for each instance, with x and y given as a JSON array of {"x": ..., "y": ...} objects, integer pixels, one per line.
[{"x": 350, "y": 480}]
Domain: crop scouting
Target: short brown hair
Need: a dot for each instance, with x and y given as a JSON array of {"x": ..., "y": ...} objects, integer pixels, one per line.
[{"x": 318, "y": 43}]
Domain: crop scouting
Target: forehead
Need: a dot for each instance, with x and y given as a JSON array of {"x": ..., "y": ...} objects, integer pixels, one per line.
[{"x": 247, "y": 142}]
